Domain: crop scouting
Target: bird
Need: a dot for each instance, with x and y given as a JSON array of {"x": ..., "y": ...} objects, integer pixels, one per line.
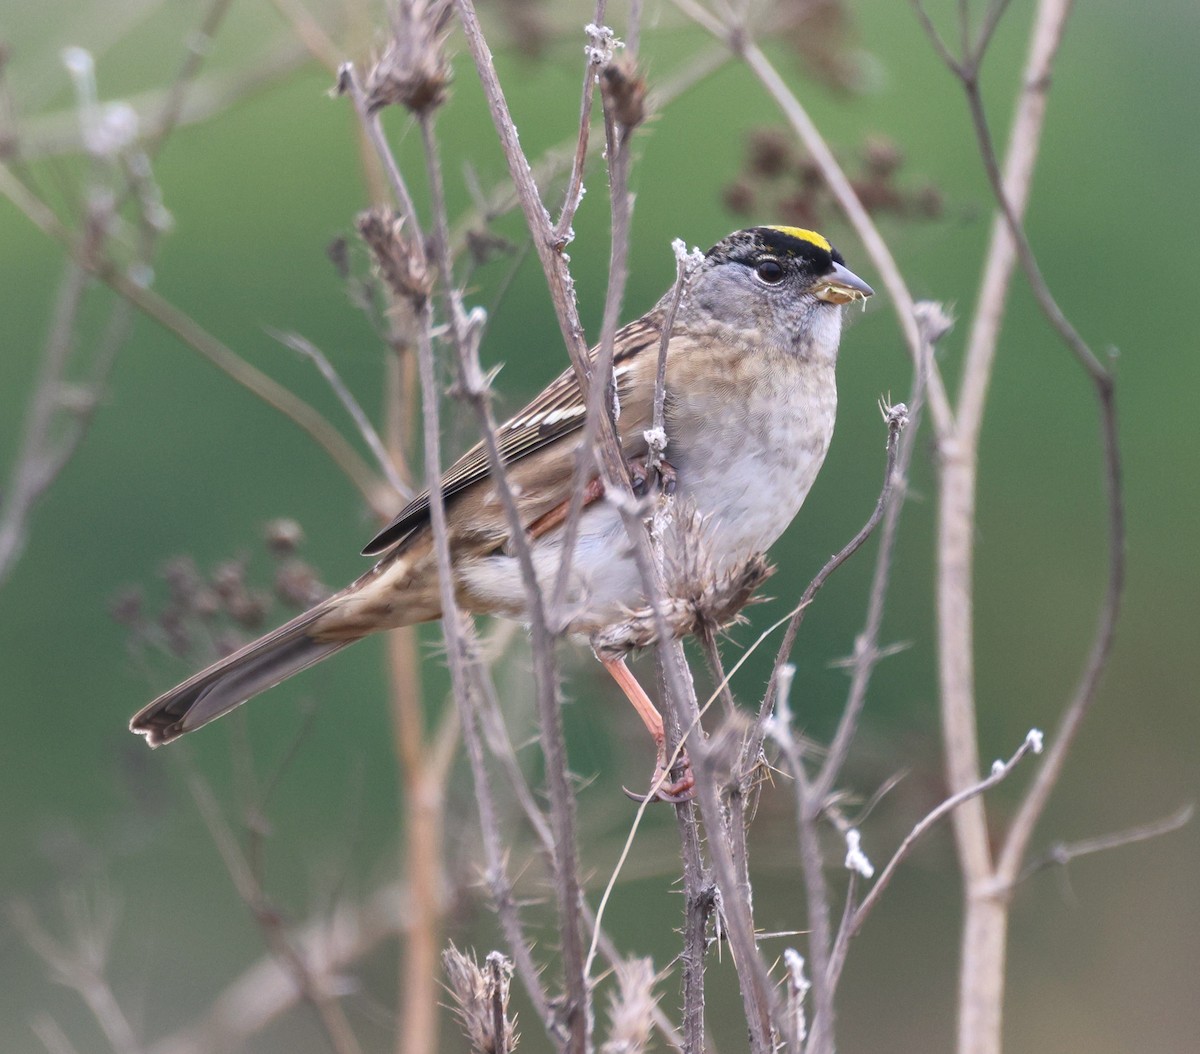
[{"x": 749, "y": 409}]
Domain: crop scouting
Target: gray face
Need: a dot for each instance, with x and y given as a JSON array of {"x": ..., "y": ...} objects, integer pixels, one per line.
[{"x": 776, "y": 282}]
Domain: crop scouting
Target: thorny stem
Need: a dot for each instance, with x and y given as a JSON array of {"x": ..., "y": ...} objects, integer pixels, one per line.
[{"x": 562, "y": 814}]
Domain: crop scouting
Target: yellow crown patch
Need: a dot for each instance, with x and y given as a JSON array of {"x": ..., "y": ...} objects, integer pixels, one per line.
[{"x": 805, "y": 236}]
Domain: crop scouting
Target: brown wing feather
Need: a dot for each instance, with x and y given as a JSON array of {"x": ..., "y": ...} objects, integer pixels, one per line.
[{"x": 556, "y": 412}]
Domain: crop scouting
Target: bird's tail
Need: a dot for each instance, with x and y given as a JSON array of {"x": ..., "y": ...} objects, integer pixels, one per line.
[{"x": 231, "y": 681}]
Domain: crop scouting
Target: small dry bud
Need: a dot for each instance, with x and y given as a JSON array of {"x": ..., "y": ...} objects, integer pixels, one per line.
[
  {"x": 229, "y": 579},
  {"x": 126, "y": 606},
  {"x": 283, "y": 537},
  {"x": 770, "y": 151},
  {"x": 624, "y": 89},
  {"x": 882, "y": 157},
  {"x": 413, "y": 71},
  {"x": 484, "y": 245},
  {"x": 297, "y": 585},
  {"x": 739, "y": 197},
  {"x": 249, "y": 609},
  {"x": 400, "y": 262},
  {"x": 930, "y": 202},
  {"x": 338, "y": 252},
  {"x": 183, "y": 580}
]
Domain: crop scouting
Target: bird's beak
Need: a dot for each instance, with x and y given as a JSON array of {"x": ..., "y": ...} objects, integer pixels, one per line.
[{"x": 843, "y": 286}]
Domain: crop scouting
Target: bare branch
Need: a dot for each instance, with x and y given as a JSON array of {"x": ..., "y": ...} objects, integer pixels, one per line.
[
  {"x": 81, "y": 967},
  {"x": 1000, "y": 771},
  {"x": 352, "y": 406},
  {"x": 1062, "y": 853},
  {"x": 200, "y": 340},
  {"x": 313, "y": 985}
]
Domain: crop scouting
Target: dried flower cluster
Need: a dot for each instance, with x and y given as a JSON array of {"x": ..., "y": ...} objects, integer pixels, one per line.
[
  {"x": 402, "y": 263},
  {"x": 480, "y": 997},
  {"x": 206, "y": 616},
  {"x": 778, "y": 179},
  {"x": 413, "y": 71}
]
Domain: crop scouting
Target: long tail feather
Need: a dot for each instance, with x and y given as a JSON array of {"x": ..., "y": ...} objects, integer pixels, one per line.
[{"x": 231, "y": 681}]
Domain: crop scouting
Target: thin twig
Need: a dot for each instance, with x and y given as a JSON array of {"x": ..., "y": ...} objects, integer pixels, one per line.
[
  {"x": 1062, "y": 853},
  {"x": 313, "y": 986},
  {"x": 81, "y": 968},
  {"x": 352, "y": 406},
  {"x": 193, "y": 335},
  {"x": 576, "y": 1015},
  {"x": 1000, "y": 772},
  {"x": 934, "y": 323}
]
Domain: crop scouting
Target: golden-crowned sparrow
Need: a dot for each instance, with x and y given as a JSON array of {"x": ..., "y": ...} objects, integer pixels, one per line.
[{"x": 750, "y": 404}]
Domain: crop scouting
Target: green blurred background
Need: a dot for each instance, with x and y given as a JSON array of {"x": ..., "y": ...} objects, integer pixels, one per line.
[{"x": 1105, "y": 955}]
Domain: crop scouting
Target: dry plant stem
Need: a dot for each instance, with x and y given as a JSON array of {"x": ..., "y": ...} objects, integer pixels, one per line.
[
  {"x": 577, "y": 1015},
  {"x": 386, "y": 462},
  {"x": 1062, "y": 853},
  {"x": 310, "y": 985},
  {"x": 988, "y": 888},
  {"x": 557, "y": 159},
  {"x": 574, "y": 194},
  {"x": 867, "y": 653},
  {"x": 82, "y": 969},
  {"x": 699, "y": 895},
  {"x": 373, "y": 130},
  {"x": 33, "y": 471},
  {"x": 812, "y": 867},
  {"x": 554, "y": 266},
  {"x": 600, "y": 393},
  {"x": 501, "y": 747},
  {"x": 1021, "y": 831},
  {"x": 266, "y": 990},
  {"x": 854, "y": 921},
  {"x": 198, "y": 44},
  {"x": 758, "y": 994},
  {"x": 200, "y": 340},
  {"x": 424, "y": 786}
]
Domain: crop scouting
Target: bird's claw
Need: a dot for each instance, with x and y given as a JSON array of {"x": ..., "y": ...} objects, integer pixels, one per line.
[
  {"x": 674, "y": 787},
  {"x": 640, "y": 476}
]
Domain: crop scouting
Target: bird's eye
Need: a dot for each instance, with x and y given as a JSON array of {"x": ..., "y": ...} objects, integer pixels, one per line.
[{"x": 770, "y": 271}]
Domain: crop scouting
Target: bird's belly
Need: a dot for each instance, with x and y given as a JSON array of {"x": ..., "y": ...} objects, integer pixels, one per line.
[
  {"x": 748, "y": 475},
  {"x": 745, "y": 470}
]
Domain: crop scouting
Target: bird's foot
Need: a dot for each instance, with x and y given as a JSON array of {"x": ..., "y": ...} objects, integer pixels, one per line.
[
  {"x": 643, "y": 477},
  {"x": 675, "y": 787}
]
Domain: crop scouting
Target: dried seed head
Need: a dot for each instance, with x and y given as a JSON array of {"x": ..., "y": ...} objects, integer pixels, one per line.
[
  {"x": 631, "y": 1008},
  {"x": 413, "y": 71},
  {"x": 770, "y": 152},
  {"x": 283, "y": 537},
  {"x": 401, "y": 263},
  {"x": 480, "y": 997},
  {"x": 624, "y": 91}
]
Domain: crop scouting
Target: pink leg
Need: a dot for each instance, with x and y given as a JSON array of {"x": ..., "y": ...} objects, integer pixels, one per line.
[{"x": 678, "y": 790}]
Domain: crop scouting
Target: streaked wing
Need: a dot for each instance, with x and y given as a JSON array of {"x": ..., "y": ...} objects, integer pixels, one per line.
[{"x": 557, "y": 411}]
